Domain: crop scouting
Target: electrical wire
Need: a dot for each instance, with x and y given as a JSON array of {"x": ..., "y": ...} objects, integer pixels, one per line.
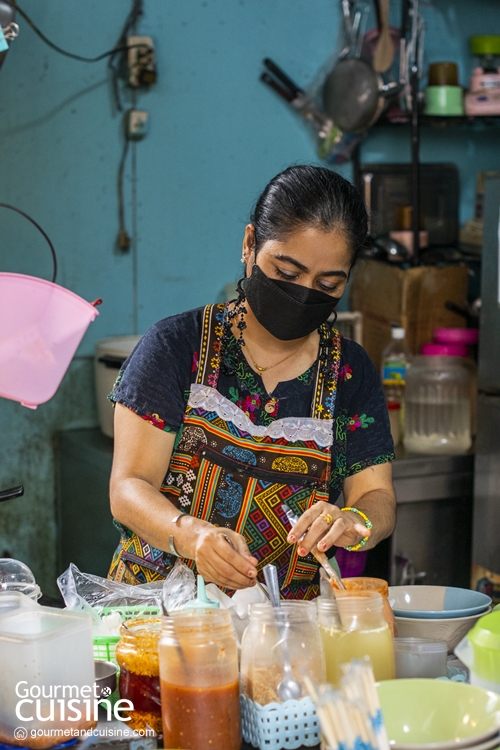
[
  {"x": 113, "y": 52},
  {"x": 26, "y": 216}
]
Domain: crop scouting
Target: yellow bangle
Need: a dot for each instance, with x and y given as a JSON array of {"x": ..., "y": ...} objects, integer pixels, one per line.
[{"x": 368, "y": 524}]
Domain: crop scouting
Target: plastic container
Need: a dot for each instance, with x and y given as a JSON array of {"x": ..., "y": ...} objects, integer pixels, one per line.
[
  {"x": 444, "y": 101},
  {"x": 14, "y": 600},
  {"x": 137, "y": 656},
  {"x": 41, "y": 326},
  {"x": 353, "y": 627},
  {"x": 480, "y": 652},
  {"x": 110, "y": 354},
  {"x": 438, "y": 412},
  {"x": 464, "y": 336},
  {"x": 199, "y": 680},
  {"x": 44, "y": 647},
  {"x": 420, "y": 657},
  {"x": 105, "y": 645},
  {"x": 16, "y": 576}
]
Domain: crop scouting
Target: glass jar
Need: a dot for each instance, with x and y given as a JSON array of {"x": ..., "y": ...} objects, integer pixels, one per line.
[
  {"x": 199, "y": 680},
  {"x": 352, "y": 626},
  {"x": 437, "y": 418},
  {"x": 262, "y": 657},
  {"x": 137, "y": 657},
  {"x": 364, "y": 583}
]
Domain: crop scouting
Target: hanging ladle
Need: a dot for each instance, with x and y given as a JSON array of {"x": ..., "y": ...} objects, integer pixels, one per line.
[{"x": 289, "y": 688}]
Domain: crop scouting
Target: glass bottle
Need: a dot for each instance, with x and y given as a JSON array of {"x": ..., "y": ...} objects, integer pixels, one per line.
[
  {"x": 437, "y": 419},
  {"x": 395, "y": 361},
  {"x": 137, "y": 657},
  {"x": 262, "y": 657},
  {"x": 352, "y": 626},
  {"x": 199, "y": 680}
]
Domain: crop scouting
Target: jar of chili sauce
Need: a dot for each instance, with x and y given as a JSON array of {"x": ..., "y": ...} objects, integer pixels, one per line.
[
  {"x": 199, "y": 680},
  {"x": 137, "y": 657}
]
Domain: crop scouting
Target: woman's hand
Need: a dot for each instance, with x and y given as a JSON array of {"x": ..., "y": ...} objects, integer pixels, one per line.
[
  {"x": 371, "y": 492},
  {"x": 346, "y": 529},
  {"x": 222, "y": 557}
]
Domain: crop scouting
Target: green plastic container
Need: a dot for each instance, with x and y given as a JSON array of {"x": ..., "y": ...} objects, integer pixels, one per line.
[
  {"x": 480, "y": 652},
  {"x": 485, "y": 45}
]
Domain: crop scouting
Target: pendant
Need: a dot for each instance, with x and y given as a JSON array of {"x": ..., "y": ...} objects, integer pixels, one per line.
[{"x": 270, "y": 406}]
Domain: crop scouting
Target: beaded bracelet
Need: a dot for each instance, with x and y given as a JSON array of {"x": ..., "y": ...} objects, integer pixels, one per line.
[{"x": 368, "y": 524}]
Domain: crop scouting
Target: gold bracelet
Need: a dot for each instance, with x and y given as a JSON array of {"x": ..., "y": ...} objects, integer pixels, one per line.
[{"x": 368, "y": 524}]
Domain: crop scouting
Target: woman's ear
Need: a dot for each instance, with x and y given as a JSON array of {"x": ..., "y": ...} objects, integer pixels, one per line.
[{"x": 248, "y": 243}]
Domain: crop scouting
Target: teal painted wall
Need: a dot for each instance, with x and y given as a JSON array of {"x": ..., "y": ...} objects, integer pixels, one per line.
[{"x": 216, "y": 136}]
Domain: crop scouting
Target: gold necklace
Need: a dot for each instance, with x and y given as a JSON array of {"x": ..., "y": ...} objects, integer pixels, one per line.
[{"x": 260, "y": 369}]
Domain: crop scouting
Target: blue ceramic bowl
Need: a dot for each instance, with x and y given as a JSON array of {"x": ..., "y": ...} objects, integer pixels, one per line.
[{"x": 436, "y": 602}]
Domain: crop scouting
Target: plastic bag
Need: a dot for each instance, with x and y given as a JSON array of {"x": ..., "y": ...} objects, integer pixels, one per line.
[
  {"x": 179, "y": 587},
  {"x": 84, "y": 592}
]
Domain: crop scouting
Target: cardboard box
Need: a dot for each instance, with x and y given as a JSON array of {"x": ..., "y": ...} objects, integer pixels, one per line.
[{"x": 413, "y": 299}]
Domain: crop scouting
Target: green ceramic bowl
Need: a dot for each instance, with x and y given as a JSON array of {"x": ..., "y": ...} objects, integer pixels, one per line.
[{"x": 437, "y": 714}]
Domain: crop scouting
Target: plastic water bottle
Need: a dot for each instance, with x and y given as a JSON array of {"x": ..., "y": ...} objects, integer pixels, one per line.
[{"x": 395, "y": 361}]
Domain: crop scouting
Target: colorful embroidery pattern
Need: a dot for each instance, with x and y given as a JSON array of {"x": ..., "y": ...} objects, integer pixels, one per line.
[
  {"x": 345, "y": 373},
  {"x": 360, "y": 421}
]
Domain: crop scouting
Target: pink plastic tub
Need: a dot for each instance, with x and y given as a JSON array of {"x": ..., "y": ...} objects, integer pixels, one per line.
[
  {"x": 467, "y": 336},
  {"x": 41, "y": 326}
]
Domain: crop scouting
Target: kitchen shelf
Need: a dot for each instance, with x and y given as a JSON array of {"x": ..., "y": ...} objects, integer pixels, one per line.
[{"x": 475, "y": 122}]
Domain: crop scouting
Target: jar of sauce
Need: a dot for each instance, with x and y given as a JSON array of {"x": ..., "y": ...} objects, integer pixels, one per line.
[
  {"x": 137, "y": 657},
  {"x": 352, "y": 626},
  {"x": 262, "y": 655},
  {"x": 199, "y": 680}
]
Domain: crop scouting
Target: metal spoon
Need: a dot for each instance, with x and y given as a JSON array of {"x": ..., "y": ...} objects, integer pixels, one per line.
[{"x": 289, "y": 688}]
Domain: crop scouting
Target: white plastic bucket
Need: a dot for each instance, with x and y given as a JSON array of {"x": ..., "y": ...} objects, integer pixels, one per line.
[
  {"x": 41, "y": 326},
  {"x": 110, "y": 354}
]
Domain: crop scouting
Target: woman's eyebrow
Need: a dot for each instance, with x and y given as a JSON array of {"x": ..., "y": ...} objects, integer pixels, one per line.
[{"x": 289, "y": 259}]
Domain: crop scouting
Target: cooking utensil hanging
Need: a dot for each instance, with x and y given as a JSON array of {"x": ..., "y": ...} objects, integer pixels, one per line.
[
  {"x": 354, "y": 95},
  {"x": 12, "y": 493},
  {"x": 332, "y": 144},
  {"x": 41, "y": 326}
]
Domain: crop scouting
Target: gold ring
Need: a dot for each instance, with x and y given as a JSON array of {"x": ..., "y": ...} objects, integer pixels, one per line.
[{"x": 327, "y": 518}]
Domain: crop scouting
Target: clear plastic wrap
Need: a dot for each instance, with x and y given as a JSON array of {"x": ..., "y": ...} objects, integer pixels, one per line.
[
  {"x": 179, "y": 587},
  {"x": 85, "y": 592}
]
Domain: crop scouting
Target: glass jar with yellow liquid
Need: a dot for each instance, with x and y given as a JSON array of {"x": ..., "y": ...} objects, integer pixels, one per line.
[{"x": 353, "y": 626}]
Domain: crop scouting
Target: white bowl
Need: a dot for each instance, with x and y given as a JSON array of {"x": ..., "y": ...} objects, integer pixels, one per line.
[
  {"x": 451, "y": 630},
  {"x": 435, "y": 602}
]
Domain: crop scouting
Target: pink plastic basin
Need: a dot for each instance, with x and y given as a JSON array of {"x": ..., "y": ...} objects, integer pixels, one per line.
[
  {"x": 41, "y": 326},
  {"x": 444, "y": 350}
]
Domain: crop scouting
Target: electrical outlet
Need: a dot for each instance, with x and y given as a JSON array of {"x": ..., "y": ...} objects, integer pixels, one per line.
[
  {"x": 141, "y": 61},
  {"x": 136, "y": 124}
]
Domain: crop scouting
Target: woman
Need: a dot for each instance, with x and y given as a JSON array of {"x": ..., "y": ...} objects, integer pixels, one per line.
[{"x": 228, "y": 412}]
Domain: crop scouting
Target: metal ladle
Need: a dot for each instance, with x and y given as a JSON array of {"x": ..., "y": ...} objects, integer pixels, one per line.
[{"x": 289, "y": 688}]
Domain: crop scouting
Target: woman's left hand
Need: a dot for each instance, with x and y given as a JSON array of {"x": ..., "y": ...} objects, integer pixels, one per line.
[{"x": 325, "y": 525}]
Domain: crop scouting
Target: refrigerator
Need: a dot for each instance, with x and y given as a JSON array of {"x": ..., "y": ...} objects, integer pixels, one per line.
[{"x": 486, "y": 525}]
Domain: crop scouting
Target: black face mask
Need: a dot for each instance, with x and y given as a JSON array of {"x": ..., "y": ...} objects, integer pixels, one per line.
[{"x": 288, "y": 311}]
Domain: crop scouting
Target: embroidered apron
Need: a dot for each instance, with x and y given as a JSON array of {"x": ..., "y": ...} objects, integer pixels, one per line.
[{"x": 234, "y": 474}]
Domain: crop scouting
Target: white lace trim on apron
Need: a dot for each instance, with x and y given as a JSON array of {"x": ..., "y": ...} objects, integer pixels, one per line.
[{"x": 290, "y": 428}]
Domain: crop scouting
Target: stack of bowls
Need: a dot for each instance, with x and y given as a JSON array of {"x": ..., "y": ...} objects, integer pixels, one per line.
[
  {"x": 439, "y": 715},
  {"x": 441, "y": 613}
]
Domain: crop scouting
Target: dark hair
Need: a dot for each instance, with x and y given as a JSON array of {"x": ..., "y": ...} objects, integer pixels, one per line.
[{"x": 304, "y": 196}]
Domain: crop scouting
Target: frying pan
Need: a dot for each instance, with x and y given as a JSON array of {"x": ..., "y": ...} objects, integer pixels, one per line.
[{"x": 354, "y": 95}]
